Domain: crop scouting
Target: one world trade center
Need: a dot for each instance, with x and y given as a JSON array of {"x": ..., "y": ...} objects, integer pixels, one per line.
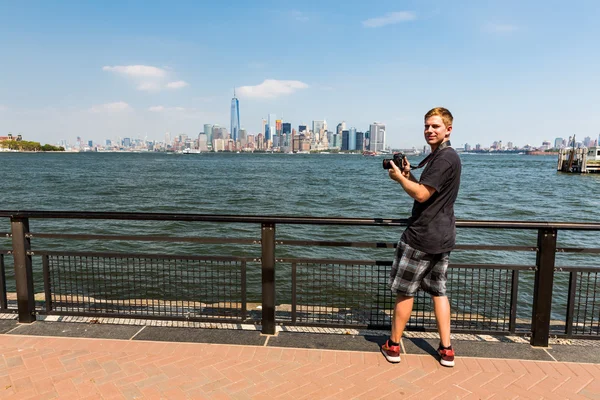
[{"x": 235, "y": 117}]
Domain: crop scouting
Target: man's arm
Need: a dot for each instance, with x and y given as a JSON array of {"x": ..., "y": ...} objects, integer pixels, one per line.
[{"x": 411, "y": 186}]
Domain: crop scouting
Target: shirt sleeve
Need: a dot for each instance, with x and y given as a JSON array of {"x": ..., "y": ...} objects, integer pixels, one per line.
[{"x": 437, "y": 174}]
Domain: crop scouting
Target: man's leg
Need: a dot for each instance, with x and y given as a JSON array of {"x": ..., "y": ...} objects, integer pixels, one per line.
[
  {"x": 402, "y": 311},
  {"x": 441, "y": 307}
]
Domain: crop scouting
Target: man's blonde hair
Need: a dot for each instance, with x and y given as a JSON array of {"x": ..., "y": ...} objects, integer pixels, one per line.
[{"x": 442, "y": 113}]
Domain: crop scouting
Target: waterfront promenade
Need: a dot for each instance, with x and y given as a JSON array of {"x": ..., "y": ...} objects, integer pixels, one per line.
[{"x": 83, "y": 360}]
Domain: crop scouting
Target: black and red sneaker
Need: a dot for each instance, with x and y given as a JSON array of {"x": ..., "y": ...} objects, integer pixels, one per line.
[
  {"x": 446, "y": 356},
  {"x": 391, "y": 353}
]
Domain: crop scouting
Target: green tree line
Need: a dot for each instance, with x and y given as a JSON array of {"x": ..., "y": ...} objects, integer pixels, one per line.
[{"x": 24, "y": 145}]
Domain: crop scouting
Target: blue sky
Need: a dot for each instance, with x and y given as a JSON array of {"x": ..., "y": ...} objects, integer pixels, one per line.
[{"x": 520, "y": 71}]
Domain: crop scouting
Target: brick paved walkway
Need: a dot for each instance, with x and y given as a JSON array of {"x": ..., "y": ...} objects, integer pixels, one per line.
[{"x": 72, "y": 368}]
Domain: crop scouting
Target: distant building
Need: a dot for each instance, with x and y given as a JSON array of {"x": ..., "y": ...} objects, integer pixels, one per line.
[
  {"x": 558, "y": 143},
  {"x": 217, "y": 133},
  {"x": 340, "y": 127},
  {"x": 203, "y": 142},
  {"x": 235, "y": 117},
  {"x": 208, "y": 133},
  {"x": 243, "y": 137},
  {"x": 352, "y": 139},
  {"x": 345, "y": 139},
  {"x": 272, "y": 127},
  {"x": 337, "y": 139},
  {"x": 318, "y": 127},
  {"x": 360, "y": 141},
  {"x": 376, "y": 137},
  {"x": 260, "y": 141},
  {"x": 218, "y": 144}
]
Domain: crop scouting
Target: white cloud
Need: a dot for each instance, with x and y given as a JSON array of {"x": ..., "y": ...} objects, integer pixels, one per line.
[
  {"x": 137, "y": 71},
  {"x": 146, "y": 77},
  {"x": 271, "y": 88},
  {"x": 176, "y": 84},
  {"x": 118, "y": 106},
  {"x": 3, "y": 108},
  {"x": 500, "y": 28},
  {"x": 163, "y": 109},
  {"x": 389, "y": 18}
]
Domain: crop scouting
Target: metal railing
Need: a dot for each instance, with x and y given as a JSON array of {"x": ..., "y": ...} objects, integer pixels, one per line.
[{"x": 322, "y": 292}]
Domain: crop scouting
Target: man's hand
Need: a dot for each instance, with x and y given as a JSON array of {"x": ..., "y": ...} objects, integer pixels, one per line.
[
  {"x": 416, "y": 190},
  {"x": 395, "y": 172},
  {"x": 405, "y": 167}
]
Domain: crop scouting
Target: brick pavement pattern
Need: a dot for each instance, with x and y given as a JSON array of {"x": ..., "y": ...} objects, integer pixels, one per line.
[{"x": 74, "y": 368}]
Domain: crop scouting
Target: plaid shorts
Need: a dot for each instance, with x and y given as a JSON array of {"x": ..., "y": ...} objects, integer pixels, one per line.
[{"x": 413, "y": 270}]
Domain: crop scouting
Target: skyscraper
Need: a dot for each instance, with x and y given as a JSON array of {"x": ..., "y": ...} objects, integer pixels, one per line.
[
  {"x": 377, "y": 137},
  {"x": 317, "y": 127},
  {"x": 208, "y": 133},
  {"x": 340, "y": 127},
  {"x": 352, "y": 139},
  {"x": 271, "y": 129},
  {"x": 235, "y": 117}
]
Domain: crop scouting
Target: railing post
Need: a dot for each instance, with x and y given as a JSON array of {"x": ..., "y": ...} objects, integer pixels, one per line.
[
  {"x": 571, "y": 303},
  {"x": 514, "y": 299},
  {"x": 542, "y": 290},
  {"x": 268, "y": 278},
  {"x": 3, "y": 299},
  {"x": 23, "y": 272}
]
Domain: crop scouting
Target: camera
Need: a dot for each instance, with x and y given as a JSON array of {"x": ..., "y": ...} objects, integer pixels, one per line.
[{"x": 398, "y": 160}]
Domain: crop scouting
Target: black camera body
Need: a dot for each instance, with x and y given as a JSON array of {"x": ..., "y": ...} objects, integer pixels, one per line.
[{"x": 398, "y": 160}]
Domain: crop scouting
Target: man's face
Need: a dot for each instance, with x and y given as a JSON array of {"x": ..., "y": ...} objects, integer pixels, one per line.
[{"x": 436, "y": 131}]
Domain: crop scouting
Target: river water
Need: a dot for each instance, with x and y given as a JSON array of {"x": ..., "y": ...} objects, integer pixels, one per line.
[{"x": 494, "y": 187}]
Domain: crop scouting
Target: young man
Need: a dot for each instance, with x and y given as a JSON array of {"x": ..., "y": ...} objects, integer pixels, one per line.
[{"x": 421, "y": 258}]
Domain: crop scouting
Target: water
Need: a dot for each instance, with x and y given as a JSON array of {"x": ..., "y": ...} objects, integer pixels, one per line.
[{"x": 494, "y": 187}]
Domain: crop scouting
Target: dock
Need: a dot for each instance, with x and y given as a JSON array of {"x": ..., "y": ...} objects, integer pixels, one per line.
[{"x": 582, "y": 160}]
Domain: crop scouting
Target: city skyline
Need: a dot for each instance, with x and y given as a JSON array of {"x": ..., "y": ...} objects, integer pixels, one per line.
[{"x": 518, "y": 72}]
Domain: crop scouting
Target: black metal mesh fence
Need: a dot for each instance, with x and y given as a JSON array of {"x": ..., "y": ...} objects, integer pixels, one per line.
[
  {"x": 481, "y": 298},
  {"x": 341, "y": 293},
  {"x": 193, "y": 288},
  {"x": 586, "y": 316},
  {"x": 356, "y": 294}
]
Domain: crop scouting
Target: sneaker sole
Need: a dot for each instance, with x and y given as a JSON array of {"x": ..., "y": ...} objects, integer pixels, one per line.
[
  {"x": 392, "y": 359},
  {"x": 447, "y": 363}
]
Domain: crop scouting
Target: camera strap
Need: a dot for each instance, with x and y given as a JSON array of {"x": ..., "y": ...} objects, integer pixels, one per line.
[{"x": 424, "y": 162}]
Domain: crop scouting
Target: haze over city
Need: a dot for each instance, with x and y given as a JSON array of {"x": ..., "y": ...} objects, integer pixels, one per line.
[{"x": 514, "y": 72}]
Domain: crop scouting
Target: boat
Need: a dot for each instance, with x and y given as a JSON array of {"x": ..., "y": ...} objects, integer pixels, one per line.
[
  {"x": 369, "y": 153},
  {"x": 187, "y": 150}
]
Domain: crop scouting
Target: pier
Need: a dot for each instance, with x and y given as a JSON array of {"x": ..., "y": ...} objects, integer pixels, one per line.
[{"x": 580, "y": 160}]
